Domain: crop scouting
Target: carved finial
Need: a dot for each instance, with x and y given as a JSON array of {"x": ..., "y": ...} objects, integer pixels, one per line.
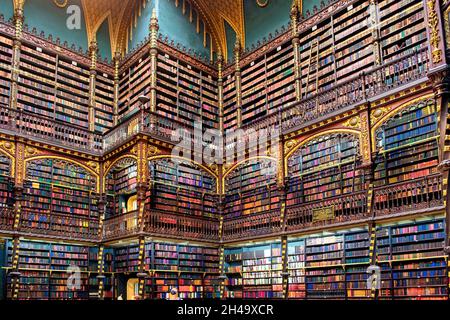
[{"x": 154, "y": 27}]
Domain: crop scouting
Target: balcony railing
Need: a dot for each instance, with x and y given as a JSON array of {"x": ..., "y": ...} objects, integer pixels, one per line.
[
  {"x": 59, "y": 225},
  {"x": 414, "y": 195},
  {"x": 193, "y": 227},
  {"x": 120, "y": 226},
  {"x": 354, "y": 91},
  {"x": 252, "y": 225},
  {"x": 150, "y": 123},
  {"x": 64, "y": 134},
  {"x": 6, "y": 218},
  {"x": 329, "y": 211}
]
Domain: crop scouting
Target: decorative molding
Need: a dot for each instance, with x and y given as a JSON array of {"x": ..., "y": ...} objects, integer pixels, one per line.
[
  {"x": 354, "y": 122},
  {"x": 435, "y": 39}
]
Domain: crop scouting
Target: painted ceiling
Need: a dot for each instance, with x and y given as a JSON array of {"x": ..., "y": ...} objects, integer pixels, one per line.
[{"x": 122, "y": 15}]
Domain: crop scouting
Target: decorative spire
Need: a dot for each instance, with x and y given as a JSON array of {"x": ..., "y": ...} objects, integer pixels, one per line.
[
  {"x": 237, "y": 51},
  {"x": 294, "y": 17},
  {"x": 154, "y": 28}
]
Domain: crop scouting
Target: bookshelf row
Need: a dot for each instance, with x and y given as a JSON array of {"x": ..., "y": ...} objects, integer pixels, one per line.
[
  {"x": 328, "y": 265},
  {"x": 48, "y": 271},
  {"x": 59, "y": 196},
  {"x": 333, "y": 51},
  {"x": 334, "y": 265},
  {"x": 325, "y": 167},
  {"x": 193, "y": 270},
  {"x": 184, "y": 93},
  {"x": 407, "y": 145},
  {"x": 251, "y": 188}
]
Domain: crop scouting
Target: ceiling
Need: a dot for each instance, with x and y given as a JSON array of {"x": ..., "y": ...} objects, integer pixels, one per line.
[{"x": 122, "y": 14}]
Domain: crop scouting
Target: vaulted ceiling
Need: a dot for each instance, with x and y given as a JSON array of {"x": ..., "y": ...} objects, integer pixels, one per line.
[{"x": 123, "y": 14}]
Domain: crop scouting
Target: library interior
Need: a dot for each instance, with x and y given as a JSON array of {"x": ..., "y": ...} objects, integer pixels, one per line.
[{"x": 98, "y": 201}]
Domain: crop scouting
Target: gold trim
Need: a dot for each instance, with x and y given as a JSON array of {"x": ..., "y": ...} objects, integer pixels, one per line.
[
  {"x": 323, "y": 133},
  {"x": 393, "y": 112},
  {"x": 231, "y": 169},
  {"x": 65, "y": 159}
]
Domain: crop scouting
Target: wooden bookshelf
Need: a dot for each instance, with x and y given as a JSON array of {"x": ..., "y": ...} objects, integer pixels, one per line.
[
  {"x": 121, "y": 186},
  {"x": 412, "y": 260},
  {"x": 182, "y": 187},
  {"x": 5, "y": 71},
  {"x": 407, "y": 145},
  {"x": 60, "y": 198},
  {"x": 193, "y": 270},
  {"x": 43, "y": 271},
  {"x": 325, "y": 167},
  {"x": 126, "y": 259},
  {"x": 233, "y": 271},
  {"x": 251, "y": 188}
]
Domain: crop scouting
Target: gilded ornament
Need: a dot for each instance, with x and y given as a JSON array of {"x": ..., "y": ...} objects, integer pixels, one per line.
[{"x": 353, "y": 122}]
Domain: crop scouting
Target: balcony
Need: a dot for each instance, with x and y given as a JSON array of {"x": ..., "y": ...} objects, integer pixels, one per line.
[
  {"x": 422, "y": 194},
  {"x": 29, "y": 125},
  {"x": 337, "y": 210},
  {"x": 401, "y": 199},
  {"x": 177, "y": 225},
  {"x": 371, "y": 85},
  {"x": 121, "y": 225},
  {"x": 59, "y": 225},
  {"x": 252, "y": 226}
]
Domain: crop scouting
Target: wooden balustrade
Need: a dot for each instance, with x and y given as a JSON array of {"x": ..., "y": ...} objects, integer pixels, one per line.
[
  {"x": 417, "y": 194},
  {"x": 375, "y": 81},
  {"x": 64, "y": 134},
  {"x": 6, "y": 218},
  {"x": 328, "y": 211},
  {"x": 252, "y": 225},
  {"x": 121, "y": 225},
  {"x": 193, "y": 227},
  {"x": 60, "y": 225}
]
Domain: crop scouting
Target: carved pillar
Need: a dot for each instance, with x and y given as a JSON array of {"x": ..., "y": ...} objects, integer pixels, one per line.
[
  {"x": 237, "y": 73},
  {"x": 154, "y": 27},
  {"x": 116, "y": 61},
  {"x": 142, "y": 180},
  {"x": 141, "y": 275},
  {"x": 220, "y": 90},
  {"x": 284, "y": 261},
  {"x": 17, "y": 44},
  {"x": 435, "y": 35},
  {"x": 93, "y": 48},
  {"x": 296, "y": 44},
  {"x": 15, "y": 273},
  {"x": 18, "y": 183},
  {"x": 222, "y": 278},
  {"x": 101, "y": 276},
  {"x": 374, "y": 22}
]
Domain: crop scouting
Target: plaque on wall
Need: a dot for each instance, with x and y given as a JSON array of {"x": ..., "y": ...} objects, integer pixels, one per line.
[{"x": 323, "y": 214}]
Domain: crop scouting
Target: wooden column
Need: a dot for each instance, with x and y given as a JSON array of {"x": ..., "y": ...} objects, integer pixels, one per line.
[
  {"x": 100, "y": 270},
  {"x": 154, "y": 27},
  {"x": 18, "y": 183},
  {"x": 14, "y": 273},
  {"x": 220, "y": 91},
  {"x": 374, "y": 23},
  {"x": 116, "y": 61},
  {"x": 141, "y": 274},
  {"x": 296, "y": 45},
  {"x": 93, "y": 49},
  {"x": 285, "y": 270},
  {"x": 17, "y": 45},
  {"x": 222, "y": 277},
  {"x": 237, "y": 74}
]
